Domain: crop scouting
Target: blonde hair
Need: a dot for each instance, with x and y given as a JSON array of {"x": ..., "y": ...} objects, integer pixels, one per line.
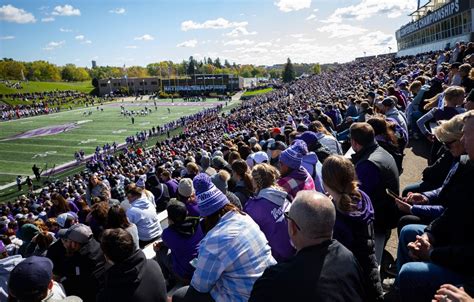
[
  {"x": 339, "y": 175},
  {"x": 453, "y": 92},
  {"x": 431, "y": 103},
  {"x": 264, "y": 176},
  {"x": 451, "y": 130}
]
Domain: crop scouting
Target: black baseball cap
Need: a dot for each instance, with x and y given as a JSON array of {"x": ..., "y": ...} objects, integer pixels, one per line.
[{"x": 30, "y": 277}]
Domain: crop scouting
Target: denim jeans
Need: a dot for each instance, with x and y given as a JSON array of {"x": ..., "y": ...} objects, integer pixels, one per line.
[{"x": 418, "y": 281}]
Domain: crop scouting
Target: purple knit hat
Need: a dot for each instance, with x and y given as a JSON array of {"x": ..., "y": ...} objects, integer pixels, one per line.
[
  {"x": 209, "y": 198},
  {"x": 293, "y": 156}
]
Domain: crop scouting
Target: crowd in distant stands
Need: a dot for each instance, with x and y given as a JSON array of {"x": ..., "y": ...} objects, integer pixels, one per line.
[
  {"x": 39, "y": 103},
  {"x": 290, "y": 197}
]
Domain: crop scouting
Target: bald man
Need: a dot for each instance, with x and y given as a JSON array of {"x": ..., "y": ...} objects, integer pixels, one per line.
[{"x": 322, "y": 269}]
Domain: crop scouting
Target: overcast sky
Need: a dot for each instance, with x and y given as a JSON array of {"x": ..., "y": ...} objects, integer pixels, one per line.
[{"x": 138, "y": 32}]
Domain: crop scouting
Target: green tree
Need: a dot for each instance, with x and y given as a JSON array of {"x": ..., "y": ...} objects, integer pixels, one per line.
[
  {"x": 217, "y": 63},
  {"x": 68, "y": 72},
  {"x": 11, "y": 70},
  {"x": 275, "y": 74},
  {"x": 288, "y": 72},
  {"x": 316, "y": 68},
  {"x": 191, "y": 66}
]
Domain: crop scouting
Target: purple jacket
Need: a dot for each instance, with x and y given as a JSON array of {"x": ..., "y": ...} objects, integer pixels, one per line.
[
  {"x": 183, "y": 241},
  {"x": 172, "y": 185},
  {"x": 267, "y": 210}
]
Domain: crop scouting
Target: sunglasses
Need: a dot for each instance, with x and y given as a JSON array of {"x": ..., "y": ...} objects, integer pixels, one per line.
[{"x": 287, "y": 216}]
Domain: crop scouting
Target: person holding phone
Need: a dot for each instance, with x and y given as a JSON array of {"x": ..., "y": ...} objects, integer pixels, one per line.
[{"x": 422, "y": 208}]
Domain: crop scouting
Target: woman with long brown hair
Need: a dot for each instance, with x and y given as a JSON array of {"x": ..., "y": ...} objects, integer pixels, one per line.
[
  {"x": 243, "y": 181},
  {"x": 59, "y": 206},
  {"x": 354, "y": 218}
]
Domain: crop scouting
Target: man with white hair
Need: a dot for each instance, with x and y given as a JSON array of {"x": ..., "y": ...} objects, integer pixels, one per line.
[{"x": 323, "y": 269}]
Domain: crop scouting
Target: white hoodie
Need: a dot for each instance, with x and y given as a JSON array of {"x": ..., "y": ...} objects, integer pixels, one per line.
[{"x": 143, "y": 214}]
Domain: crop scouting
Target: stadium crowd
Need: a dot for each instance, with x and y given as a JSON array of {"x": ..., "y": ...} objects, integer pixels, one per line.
[
  {"x": 39, "y": 103},
  {"x": 261, "y": 203}
]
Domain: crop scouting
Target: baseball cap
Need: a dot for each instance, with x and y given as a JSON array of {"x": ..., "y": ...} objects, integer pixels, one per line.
[
  {"x": 277, "y": 146},
  {"x": 31, "y": 276},
  {"x": 79, "y": 233},
  {"x": 259, "y": 157}
]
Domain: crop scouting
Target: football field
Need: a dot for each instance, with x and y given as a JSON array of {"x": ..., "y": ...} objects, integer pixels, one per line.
[{"x": 52, "y": 139}]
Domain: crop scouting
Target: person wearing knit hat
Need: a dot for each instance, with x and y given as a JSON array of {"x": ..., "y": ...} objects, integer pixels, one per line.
[
  {"x": 294, "y": 176},
  {"x": 233, "y": 254},
  {"x": 187, "y": 196},
  {"x": 210, "y": 199}
]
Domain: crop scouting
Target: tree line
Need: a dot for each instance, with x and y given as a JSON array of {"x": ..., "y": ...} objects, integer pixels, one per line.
[{"x": 44, "y": 71}]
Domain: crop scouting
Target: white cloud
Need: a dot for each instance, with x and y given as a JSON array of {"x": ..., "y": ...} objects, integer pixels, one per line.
[
  {"x": 9, "y": 13},
  {"x": 255, "y": 50},
  {"x": 118, "y": 11},
  {"x": 7, "y": 37},
  {"x": 263, "y": 44},
  {"x": 368, "y": 8},
  {"x": 218, "y": 23},
  {"x": 297, "y": 35},
  {"x": 306, "y": 40},
  {"x": 316, "y": 10},
  {"x": 47, "y": 19},
  {"x": 79, "y": 37},
  {"x": 66, "y": 10},
  {"x": 239, "y": 42},
  {"x": 65, "y": 30},
  {"x": 87, "y": 42},
  {"x": 131, "y": 46},
  {"x": 337, "y": 30},
  {"x": 53, "y": 45},
  {"x": 240, "y": 31},
  {"x": 292, "y": 5},
  {"x": 189, "y": 44},
  {"x": 377, "y": 42},
  {"x": 311, "y": 17},
  {"x": 145, "y": 37}
]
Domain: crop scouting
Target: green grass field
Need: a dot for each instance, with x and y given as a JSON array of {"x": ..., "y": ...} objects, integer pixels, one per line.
[
  {"x": 257, "y": 92},
  {"x": 48, "y": 86},
  {"x": 17, "y": 156}
]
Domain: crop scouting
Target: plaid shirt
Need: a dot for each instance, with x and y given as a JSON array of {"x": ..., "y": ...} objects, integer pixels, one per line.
[
  {"x": 296, "y": 181},
  {"x": 232, "y": 256}
]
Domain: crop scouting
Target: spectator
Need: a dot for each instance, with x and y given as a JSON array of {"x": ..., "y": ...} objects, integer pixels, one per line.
[
  {"x": 267, "y": 209},
  {"x": 97, "y": 188},
  {"x": 83, "y": 265},
  {"x": 143, "y": 214},
  {"x": 294, "y": 176},
  {"x": 243, "y": 181},
  {"x": 442, "y": 252},
  {"x": 187, "y": 196},
  {"x": 377, "y": 171},
  {"x": 335, "y": 274},
  {"x": 180, "y": 244},
  {"x": 389, "y": 109},
  {"x": 32, "y": 281},
  {"x": 354, "y": 226},
  {"x": 131, "y": 276},
  {"x": 117, "y": 218},
  {"x": 232, "y": 255}
]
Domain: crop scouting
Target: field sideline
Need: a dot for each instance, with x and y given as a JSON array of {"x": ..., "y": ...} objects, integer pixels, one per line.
[{"x": 17, "y": 155}]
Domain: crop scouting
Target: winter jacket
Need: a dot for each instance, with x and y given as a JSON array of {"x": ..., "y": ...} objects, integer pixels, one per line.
[
  {"x": 295, "y": 181},
  {"x": 144, "y": 216},
  {"x": 6, "y": 266},
  {"x": 314, "y": 168},
  {"x": 267, "y": 210},
  {"x": 183, "y": 241},
  {"x": 355, "y": 230},
  {"x": 136, "y": 279},
  {"x": 453, "y": 246},
  {"x": 377, "y": 171}
]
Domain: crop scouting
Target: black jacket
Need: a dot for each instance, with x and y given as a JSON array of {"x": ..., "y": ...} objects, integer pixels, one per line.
[
  {"x": 453, "y": 231},
  {"x": 385, "y": 209},
  {"x": 83, "y": 271},
  {"x": 137, "y": 279},
  {"x": 325, "y": 272}
]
